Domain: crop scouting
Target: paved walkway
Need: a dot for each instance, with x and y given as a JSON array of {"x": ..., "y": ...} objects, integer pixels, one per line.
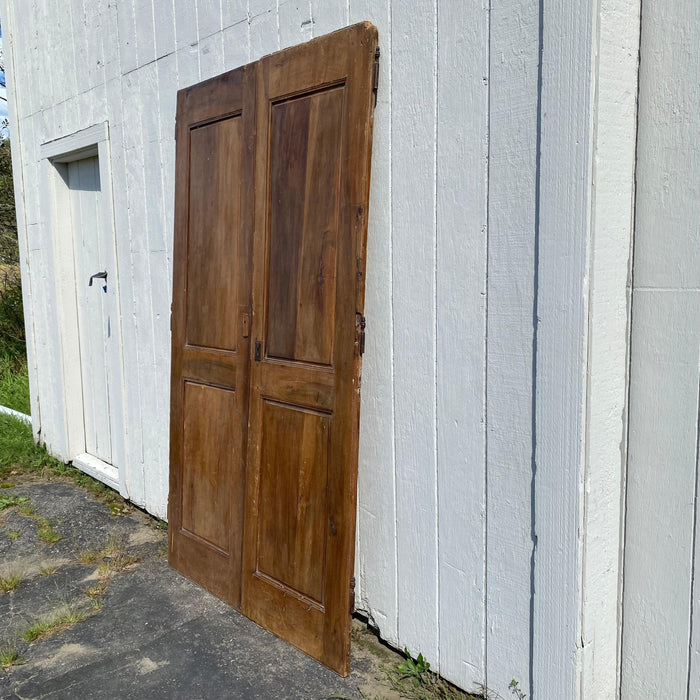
[{"x": 147, "y": 632}]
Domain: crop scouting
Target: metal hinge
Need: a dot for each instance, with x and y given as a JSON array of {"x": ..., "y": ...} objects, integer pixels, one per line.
[
  {"x": 352, "y": 595},
  {"x": 360, "y": 325},
  {"x": 375, "y": 82}
]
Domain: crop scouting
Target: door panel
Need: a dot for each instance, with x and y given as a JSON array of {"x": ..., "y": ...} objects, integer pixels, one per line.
[
  {"x": 212, "y": 253},
  {"x": 304, "y": 170},
  {"x": 272, "y": 189},
  {"x": 206, "y": 473},
  {"x": 91, "y": 245},
  {"x": 314, "y": 117},
  {"x": 210, "y": 331}
]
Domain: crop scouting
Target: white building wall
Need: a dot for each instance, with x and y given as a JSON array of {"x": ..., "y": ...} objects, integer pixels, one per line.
[
  {"x": 661, "y": 613},
  {"x": 472, "y": 447}
]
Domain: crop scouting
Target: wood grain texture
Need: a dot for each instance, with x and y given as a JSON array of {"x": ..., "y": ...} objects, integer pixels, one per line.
[
  {"x": 215, "y": 151},
  {"x": 210, "y": 353},
  {"x": 305, "y": 151},
  {"x": 316, "y": 618}
]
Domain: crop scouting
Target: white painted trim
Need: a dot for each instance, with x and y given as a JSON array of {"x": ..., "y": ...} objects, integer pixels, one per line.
[
  {"x": 98, "y": 469},
  {"x": 81, "y": 144},
  {"x": 612, "y": 202},
  {"x": 15, "y": 414},
  {"x": 56, "y": 154}
]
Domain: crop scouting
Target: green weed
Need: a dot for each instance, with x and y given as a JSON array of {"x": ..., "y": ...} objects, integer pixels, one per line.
[
  {"x": 14, "y": 534},
  {"x": 9, "y": 583},
  {"x": 58, "y": 621},
  {"x": 12, "y": 501},
  {"x": 9, "y": 655}
]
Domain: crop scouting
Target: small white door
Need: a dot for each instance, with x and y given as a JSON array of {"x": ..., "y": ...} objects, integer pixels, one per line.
[{"x": 95, "y": 277}]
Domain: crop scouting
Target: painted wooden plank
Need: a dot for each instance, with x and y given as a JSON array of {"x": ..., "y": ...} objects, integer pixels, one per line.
[
  {"x": 328, "y": 16},
  {"x": 94, "y": 17},
  {"x": 462, "y": 152},
  {"x": 131, "y": 390},
  {"x": 188, "y": 66},
  {"x": 260, "y": 7},
  {"x": 167, "y": 102},
  {"x": 263, "y": 35},
  {"x": 211, "y": 55},
  {"x": 185, "y": 23},
  {"x": 413, "y": 66},
  {"x": 236, "y": 45},
  {"x": 13, "y": 95},
  {"x": 79, "y": 39},
  {"x": 512, "y": 78},
  {"x": 127, "y": 35},
  {"x": 561, "y": 343},
  {"x": 668, "y": 123},
  {"x": 233, "y": 12},
  {"x": 660, "y": 492},
  {"x": 164, "y": 25},
  {"x": 610, "y": 262},
  {"x": 208, "y": 18},
  {"x": 110, "y": 41},
  {"x": 295, "y": 22},
  {"x": 145, "y": 32},
  {"x": 375, "y": 558}
]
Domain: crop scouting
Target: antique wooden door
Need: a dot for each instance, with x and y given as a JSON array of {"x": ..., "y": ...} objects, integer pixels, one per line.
[
  {"x": 265, "y": 427},
  {"x": 314, "y": 120},
  {"x": 210, "y": 330}
]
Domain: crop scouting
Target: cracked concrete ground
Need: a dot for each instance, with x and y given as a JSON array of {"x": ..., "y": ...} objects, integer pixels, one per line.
[{"x": 147, "y": 632}]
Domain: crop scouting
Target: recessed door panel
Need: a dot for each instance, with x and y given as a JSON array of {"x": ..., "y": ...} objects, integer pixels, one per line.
[
  {"x": 293, "y": 507},
  {"x": 305, "y": 165},
  {"x": 212, "y": 243},
  {"x": 210, "y": 463}
]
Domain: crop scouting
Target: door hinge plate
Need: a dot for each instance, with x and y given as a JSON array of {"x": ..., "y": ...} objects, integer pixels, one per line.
[
  {"x": 360, "y": 324},
  {"x": 375, "y": 80},
  {"x": 258, "y": 351}
]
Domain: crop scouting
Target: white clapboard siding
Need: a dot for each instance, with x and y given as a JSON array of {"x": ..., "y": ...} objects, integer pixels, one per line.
[{"x": 472, "y": 458}]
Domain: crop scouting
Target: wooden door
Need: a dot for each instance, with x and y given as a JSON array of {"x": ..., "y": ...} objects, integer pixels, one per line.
[
  {"x": 312, "y": 161},
  {"x": 272, "y": 192},
  {"x": 210, "y": 330},
  {"x": 98, "y": 327}
]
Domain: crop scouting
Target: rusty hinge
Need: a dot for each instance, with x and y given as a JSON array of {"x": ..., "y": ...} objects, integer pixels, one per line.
[
  {"x": 360, "y": 325},
  {"x": 375, "y": 81},
  {"x": 352, "y": 595}
]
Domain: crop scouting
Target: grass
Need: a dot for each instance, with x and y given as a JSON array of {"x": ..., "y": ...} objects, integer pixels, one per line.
[
  {"x": 12, "y": 501},
  {"x": 21, "y": 455},
  {"x": 48, "y": 570},
  {"x": 14, "y": 384},
  {"x": 58, "y": 621},
  {"x": 9, "y": 583},
  {"x": 9, "y": 655},
  {"x": 14, "y": 534},
  {"x": 46, "y": 532}
]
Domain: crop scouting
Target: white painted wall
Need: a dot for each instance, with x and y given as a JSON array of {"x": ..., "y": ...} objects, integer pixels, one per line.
[
  {"x": 661, "y": 613},
  {"x": 492, "y": 361}
]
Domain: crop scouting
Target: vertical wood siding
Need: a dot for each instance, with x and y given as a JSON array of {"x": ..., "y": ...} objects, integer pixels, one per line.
[
  {"x": 661, "y": 605},
  {"x": 452, "y": 422}
]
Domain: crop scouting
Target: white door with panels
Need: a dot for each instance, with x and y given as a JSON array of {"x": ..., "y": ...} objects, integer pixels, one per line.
[
  {"x": 79, "y": 197},
  {"x": 96, "y": 305}
]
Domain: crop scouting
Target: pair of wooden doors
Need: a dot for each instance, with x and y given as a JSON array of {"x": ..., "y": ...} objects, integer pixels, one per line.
[{"x": 272, "y": 190}]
